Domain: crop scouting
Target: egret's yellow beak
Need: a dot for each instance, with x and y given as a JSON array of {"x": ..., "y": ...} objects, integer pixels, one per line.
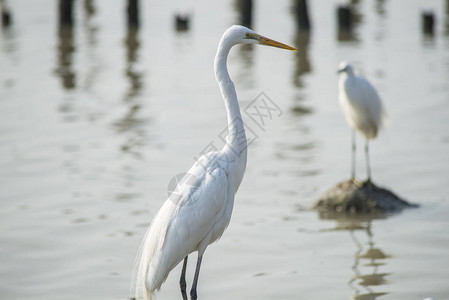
[{"x": 269, "y": 42}]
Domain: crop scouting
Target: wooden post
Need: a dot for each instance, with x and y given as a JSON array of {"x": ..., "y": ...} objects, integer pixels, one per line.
[
  {"x": 6, "y": 15},
  {"x": 89, "y": 7},
  {"x": 182, "y": 22},
  {"x": 428, "y": 23},
  {"x": 133, "y": 13},
  {"x": 302, "y": 15},
  {"x": 344, "y": 18},
  {"x": 65, "y": 13},
  {"x": 246, "y": 11}
]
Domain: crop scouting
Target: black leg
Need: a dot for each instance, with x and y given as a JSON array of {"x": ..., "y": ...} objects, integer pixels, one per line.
[
  {"x": 368, "y": 167},
  {"x": 182, "y": 281},
  {"x": 193, "y": 294},
  {"x": 353, "y": 156}
]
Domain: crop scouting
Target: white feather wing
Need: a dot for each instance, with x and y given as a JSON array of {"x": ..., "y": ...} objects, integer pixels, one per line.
[
  {"x": 188, "y": 221},
  {"x": 361, "y": 105}
]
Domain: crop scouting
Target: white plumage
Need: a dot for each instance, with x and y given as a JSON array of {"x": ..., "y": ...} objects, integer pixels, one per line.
[
  {"x": 361, "y": 106},
  {"x": 197, "y": 213}
]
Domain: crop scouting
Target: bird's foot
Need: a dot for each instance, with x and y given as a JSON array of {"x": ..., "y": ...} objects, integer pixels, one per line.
[{"x": 356, "y": 181}]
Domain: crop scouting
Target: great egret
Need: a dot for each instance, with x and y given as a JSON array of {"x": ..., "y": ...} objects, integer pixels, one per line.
[
  {"x": 200, "y": 212},
  {"x": 362, "y": 108}
]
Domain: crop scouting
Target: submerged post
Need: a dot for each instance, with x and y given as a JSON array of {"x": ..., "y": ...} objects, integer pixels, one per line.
[
  {"x": 302, "y": 15},
  {"x": 428, "y": 22},
  {"x": 6, "y": 15},
  {"x": 65, "y": 13},
  {"x": 344, "y": 18},
  {"x": 133, "y": 13},
  {"x": 182, "y": 22},
  {"x": 246, "y": 11}
]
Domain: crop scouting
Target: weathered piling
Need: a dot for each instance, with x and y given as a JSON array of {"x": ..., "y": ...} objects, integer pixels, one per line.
[
  {"x": 133, "y": 13},
  {"x": 302, "y": 65},
  {"x": 246, "y": 13},
  {"x": 66, "y": 13},
  {"x": 6, "y": 15},
  {"x": 182, "y": 22},
  {"x": 345, "y": 21},
  {"x": 428, "y": 21},
  {"x": 302, "y": 15}
]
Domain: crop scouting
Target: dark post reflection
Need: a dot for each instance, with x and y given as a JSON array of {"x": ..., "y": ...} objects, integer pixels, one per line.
[
  {"x": 66, "y": 49},
  {"x": 302, "y": 61},
  {"x": 380, "y": 8},
  {"x": 89, "y": 8},
  {"x": 348, "y": 17},
  {"x": 91, "y": 33},
  {"x": 6, "y": 15},
  {"x": 302, "y": 67},
  {"x": 132, "y": 43},
  {"x": 130, "y": 124},
  {"x": 302, "y": 64},
  {"x": 245, "y": 73},
  {"x": 446, "y": 17}
]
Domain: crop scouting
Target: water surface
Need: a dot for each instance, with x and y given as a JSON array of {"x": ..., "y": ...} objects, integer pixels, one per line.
[{"x": 95, "y": 121}]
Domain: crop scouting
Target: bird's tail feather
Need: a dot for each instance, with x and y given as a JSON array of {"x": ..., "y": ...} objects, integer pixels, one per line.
[
  {"x": 152, "y": 242},
  {"x": 139, "y": 271}
]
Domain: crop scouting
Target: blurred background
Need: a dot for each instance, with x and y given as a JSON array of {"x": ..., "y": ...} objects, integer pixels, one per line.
[{"x": 98, "y": 113}]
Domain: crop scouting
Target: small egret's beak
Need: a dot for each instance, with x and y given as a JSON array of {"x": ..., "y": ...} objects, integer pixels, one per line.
[{"x": 269, "y": 42}]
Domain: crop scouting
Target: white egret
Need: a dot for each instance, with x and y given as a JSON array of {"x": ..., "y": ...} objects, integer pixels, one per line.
[
  {"x": 200, "y": 212},
  {"x": 362, "y": 108}
]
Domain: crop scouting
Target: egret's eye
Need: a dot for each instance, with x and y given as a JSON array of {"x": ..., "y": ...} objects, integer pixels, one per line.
[{"x": 247, "y": 35}]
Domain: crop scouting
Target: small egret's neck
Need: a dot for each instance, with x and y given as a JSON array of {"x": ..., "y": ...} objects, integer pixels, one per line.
[
  {"x": 236, "y": 138},
  {"x": 349, "y": 72}
]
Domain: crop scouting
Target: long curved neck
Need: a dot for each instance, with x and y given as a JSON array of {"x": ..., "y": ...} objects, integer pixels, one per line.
[{"x": 236, "y": 138}]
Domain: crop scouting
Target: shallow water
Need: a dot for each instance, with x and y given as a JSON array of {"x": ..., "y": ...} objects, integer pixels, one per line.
[{"x": 95, "y": 122}]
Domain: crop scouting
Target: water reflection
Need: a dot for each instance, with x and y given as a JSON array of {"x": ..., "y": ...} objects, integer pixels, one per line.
[
  {"x": 130, "y": 124},
  {"x": 66, "y": 50},
  {"x": 368, "y": 257},
  {"x": 245, "y": 72},
  {"x": 356, "y": 18},
  {"x": 89, "y": 8},
  {"x": 88, "y": 25},
  {"x": 8, "y": 45},
  {"x": 380, "y": 8},
  {"x": 302, "y": 64},
  {"x": 132, "y": 43},
  {"x": 91, "y": 33},
  {"x": 446, "y": 30}
]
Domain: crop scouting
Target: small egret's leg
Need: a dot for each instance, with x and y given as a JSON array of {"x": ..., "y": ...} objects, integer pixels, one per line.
[
  {"x": 193, "y": 294},
  {"x": 182, "y": 281},
  {"x": 368, "y": 167},
  {"x": 353, "y": 156}
]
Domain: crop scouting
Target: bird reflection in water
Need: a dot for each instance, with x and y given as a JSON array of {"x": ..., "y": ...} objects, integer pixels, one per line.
[{"x": 368, "y": 257}]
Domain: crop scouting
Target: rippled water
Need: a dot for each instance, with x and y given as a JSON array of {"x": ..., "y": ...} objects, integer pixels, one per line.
[{"x": 96, "y": 121}]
